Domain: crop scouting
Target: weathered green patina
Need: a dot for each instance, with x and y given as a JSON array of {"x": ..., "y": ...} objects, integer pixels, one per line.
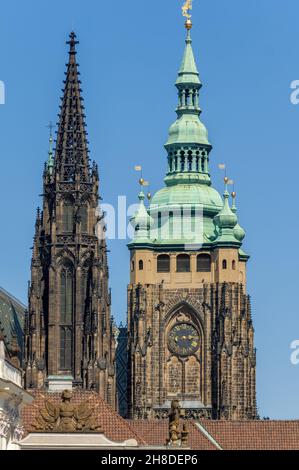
[{"x": 188, "y": 210}]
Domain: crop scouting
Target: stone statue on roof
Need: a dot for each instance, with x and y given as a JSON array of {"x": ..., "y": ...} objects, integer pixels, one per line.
[{"x": 65, "y": 417}]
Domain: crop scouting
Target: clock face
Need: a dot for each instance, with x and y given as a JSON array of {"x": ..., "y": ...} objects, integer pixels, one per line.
[{"x": 183, "y": 339}]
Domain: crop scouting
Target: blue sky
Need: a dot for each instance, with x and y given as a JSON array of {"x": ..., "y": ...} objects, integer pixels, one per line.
[{"x": 129, "y": 53}]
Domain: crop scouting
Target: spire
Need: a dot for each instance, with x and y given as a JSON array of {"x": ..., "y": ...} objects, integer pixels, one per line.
[
  {"x": 188, "y": 72},
  {"x": 50, "y": 162},
  {"x": 38, "y": 222},
  {"x": 38, "y": 218},
  {"x": 71, "y": 159},
  {"x": 188, "y": 146}
]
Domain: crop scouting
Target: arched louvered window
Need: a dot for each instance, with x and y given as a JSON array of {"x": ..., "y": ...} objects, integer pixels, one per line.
[
  {"x": 68, "y": 216},
  {"x": 66, "y": 316},
  {"x": 163, "y": 264},
  {"x": 234, "y": 265},
  {"x": 224, "y": 264},
  {"x": 183, "y": 263},
  {"x": 203, "y": 263},
  {"x": 140, "y": 265}
]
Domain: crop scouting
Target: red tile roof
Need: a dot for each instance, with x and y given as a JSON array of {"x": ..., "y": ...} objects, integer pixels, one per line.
[
  {"x": 155, "y": 433},
  {"x": 203, "y": 435},
  {"x": 114, "y": 426},
  {"x": 254, "y": 435}
]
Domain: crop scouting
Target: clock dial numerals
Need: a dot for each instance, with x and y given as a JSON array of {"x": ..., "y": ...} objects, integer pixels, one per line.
[{"x": 183, "y": 339}]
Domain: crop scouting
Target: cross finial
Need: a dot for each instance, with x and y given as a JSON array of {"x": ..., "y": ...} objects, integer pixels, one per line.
[
  {"x": 50, "y": 126},
  {"x": 72, "y": 42}
]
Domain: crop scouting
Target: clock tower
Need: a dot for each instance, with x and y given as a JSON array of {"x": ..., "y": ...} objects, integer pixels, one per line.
[{"x": 190, "y": 331}]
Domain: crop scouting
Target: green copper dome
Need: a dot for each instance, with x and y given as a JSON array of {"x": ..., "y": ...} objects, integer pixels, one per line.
[
  {"x": 239, "y": 232},
  {"x": 190, "y": 194},
  {"x": 226, "y": 218},
  {"x": 188, "y": 129},
  {"x": 226, "y": 221},
  {"x": 188, "y": 211},
  {"x": 141, "y": 221},
  {"x": 188, "y": 186}
]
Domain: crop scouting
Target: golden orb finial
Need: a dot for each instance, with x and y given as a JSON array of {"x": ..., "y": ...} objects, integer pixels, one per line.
[
  {"x": 234, "y": 194},
  {"x": 226, "y": 180},
  {"x": 188, "y": 24},
  {"x": 141, "y": 181}
]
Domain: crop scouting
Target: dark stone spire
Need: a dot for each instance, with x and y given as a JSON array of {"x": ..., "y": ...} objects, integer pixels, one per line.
[
  {"x": 67, "y": 328},
  {"x": 71, "y": 158}
]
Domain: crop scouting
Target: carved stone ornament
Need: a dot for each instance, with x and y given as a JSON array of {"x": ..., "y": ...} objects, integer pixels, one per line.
[
  {"x": 40, "y": 363},
  {"x": 65, "y": 417},
  {"x": 102, "y": 363},
  {"x": 174, "y": 422},
  {"x": 18, "y": 433},
  {"x": 4, "y": 425},
  {"x": 177, "y": 438}
]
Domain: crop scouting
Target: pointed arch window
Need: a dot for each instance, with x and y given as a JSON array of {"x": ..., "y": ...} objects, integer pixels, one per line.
[
  {"x": 66, "y": 316},
  {"x": 66, "y": 341},
  {"x": 86, "y": 300},
  {"x": 68, "y": 216},
  {"x": 224, "y": 264},
  {"x": 140, "y": 265},
  {"x": 84, "y": 218},
  {"x": 86, "y": 283}
]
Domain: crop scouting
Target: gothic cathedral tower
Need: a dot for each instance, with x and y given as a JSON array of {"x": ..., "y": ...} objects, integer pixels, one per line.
[
  {"x": 68, "y": 330},
  {"x": 190, "y": 330}
]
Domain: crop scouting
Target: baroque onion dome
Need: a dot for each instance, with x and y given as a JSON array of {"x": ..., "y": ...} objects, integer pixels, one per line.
[
  {"x": 239, "y": 232},
  {"x": 187, "y": 182},
  {"x": 226, "y": 220},
  {"x": 141, "y": 221},
  {"x": 188, "y": 188}
]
